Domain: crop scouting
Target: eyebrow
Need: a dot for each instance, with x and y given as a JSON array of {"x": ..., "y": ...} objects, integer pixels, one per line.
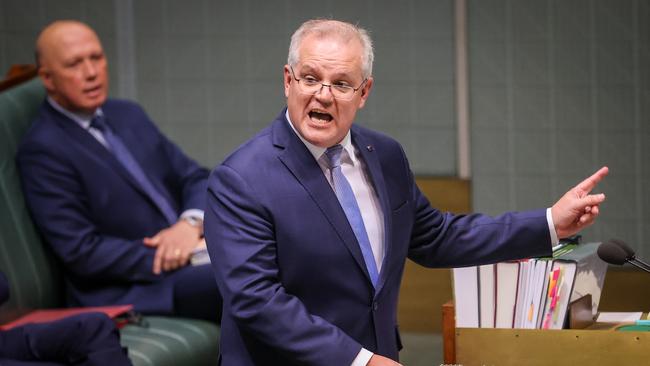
[
  {"x": 71, "y": 60},
  {"x": 337, "y": 75}
]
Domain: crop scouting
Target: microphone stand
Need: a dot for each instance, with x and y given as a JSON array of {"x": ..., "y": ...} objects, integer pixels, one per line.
[{"x": 639, "y": 264}]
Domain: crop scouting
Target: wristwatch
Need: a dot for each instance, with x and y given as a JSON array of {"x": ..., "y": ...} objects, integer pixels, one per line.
[{"x": 193, "y": 221}]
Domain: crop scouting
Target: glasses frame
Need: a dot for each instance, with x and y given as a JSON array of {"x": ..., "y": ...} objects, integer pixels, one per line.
[{"x": 322, "y": 85}]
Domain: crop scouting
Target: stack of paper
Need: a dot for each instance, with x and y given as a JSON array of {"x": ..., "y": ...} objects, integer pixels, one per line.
[
  {"x": 530, "y": 293},
  {"x": 466, "y": 295},
  {"x": 487, "y": 295}
]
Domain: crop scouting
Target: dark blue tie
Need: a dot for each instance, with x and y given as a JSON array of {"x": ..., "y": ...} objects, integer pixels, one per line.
[
  {"x": 350, "y": 206},
  {"x": 123, "y": 155}
]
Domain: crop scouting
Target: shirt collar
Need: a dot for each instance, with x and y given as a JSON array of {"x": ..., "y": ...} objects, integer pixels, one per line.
[
  {"x": 81, "y": 119},
  {"x": 318, "y": 151}
]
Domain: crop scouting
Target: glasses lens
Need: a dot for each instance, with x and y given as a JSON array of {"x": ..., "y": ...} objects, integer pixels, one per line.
[
  {"x": 311, "y": 87},
  {"x": 340, "y": 92}
]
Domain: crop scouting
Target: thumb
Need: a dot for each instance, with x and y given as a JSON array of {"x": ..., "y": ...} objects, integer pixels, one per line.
[{"x": 152, "y": 241}]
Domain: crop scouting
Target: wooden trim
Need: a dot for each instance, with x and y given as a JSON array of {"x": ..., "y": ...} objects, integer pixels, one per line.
[
  {"x": 462, "y": 89},
  {"x": 448, "y": 333},
  {"x": 18, "y": 74},
  {"x": 580, "y": 308}
]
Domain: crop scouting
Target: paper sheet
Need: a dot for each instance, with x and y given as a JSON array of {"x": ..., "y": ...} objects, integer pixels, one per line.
[{"x": 622, "y": 317}]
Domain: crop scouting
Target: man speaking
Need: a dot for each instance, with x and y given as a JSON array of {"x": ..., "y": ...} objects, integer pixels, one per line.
[{"x": 309, "y": 223}]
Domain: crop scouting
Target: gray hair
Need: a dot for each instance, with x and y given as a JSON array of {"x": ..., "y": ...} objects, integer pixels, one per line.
[{"x": 326, "y": 27}]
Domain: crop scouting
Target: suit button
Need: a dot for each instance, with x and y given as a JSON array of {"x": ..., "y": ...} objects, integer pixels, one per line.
[{"x": 375, "y": 306}]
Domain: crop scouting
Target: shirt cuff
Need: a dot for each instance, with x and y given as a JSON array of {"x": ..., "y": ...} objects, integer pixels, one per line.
[
  {"x": 362, "y": 358},
  {"x": 551, "y": 227},
  {"x": 194, "y": 213}
]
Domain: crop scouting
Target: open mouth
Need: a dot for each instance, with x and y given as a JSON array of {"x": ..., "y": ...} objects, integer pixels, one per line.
[
  {"x": 93, "y": 90},
  {"x": 320, "y": 116}
]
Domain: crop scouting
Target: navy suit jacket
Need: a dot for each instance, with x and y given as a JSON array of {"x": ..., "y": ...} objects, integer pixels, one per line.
[
  {"x": 94, "y": 214},
  {"x": 295, "y": 286}
]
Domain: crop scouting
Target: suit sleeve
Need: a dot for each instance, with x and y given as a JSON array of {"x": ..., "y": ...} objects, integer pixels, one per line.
[
  {"x": 241, "y": 242},
  {"x": 60, "y": 208},
  {"x": 448, "y": 240}
]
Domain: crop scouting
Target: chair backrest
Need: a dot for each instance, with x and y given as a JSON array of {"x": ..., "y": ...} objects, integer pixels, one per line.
[{"x": 35, "y": 279}]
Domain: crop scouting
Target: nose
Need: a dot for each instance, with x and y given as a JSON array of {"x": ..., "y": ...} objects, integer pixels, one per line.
[
  {"x": 89, "y": 69},
  {"x": 324, "y": 96}
]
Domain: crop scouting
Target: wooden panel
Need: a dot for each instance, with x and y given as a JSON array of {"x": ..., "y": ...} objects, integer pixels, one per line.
[
  {"x": 422, "y": 294},
  {"x": 446, "y": 194},
  {"x": 625, "y": 289},
  {"x": 425, "y": 290},
  {"x": 482, "y": 346}
]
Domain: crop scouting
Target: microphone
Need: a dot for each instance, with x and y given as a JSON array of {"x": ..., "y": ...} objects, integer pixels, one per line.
[
  {"x": 617, "y": 252},
  {"x": 628, "y": 251}
]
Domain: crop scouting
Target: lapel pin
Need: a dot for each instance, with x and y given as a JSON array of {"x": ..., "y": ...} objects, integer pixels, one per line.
[{"x": 370, "y": 148}]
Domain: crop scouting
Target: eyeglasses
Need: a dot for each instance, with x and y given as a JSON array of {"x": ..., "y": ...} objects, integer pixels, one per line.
[{"x": 310, "y": 86}]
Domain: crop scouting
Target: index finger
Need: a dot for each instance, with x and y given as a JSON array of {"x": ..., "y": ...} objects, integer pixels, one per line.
[{"x": 588, "y": 184}]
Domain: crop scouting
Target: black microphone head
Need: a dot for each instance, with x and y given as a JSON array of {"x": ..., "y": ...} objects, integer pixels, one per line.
[
  {"x": 612, "y": 253},
  {"x": 628, "y": 251}
]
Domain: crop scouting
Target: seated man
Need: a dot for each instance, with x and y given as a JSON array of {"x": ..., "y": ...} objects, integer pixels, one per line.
[
  {"x": 89, "y": 339},
  {"x": 119, "y": 203}
]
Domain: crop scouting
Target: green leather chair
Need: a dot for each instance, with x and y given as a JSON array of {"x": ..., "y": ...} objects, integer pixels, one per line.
[{"x": 34, "y": 275}]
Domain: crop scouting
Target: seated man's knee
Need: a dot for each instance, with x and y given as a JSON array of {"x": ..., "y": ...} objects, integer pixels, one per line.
[
  {"x": 72, "y": 338},
  {"x": 96, "y": 328}
]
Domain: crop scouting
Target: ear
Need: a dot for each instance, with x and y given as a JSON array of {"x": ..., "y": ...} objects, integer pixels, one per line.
[
  {"x": 365, "y": 91},
  {"x": 287, "y": 80},
  {"x": 46, "y": 77}
]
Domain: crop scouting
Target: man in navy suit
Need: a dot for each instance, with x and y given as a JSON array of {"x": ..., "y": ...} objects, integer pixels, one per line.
[
  {"x": 120, "y": 204},
  {"x": 89, "y": 339},
  {"x": 309, "y": 223}
]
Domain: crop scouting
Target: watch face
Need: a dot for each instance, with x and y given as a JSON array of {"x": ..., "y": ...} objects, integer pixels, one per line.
[{"x": 192, "y": 221}]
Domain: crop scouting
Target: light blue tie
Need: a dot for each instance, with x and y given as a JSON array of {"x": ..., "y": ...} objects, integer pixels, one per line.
[
  {"x": 127, "y": 160},
  {"x": 350, "y": 206}
]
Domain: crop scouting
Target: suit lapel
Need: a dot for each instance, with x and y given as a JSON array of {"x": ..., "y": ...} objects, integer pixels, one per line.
[
  {"x": 95, "y": 148},
  {"x": 369, "y": 156},
  {"x": 131, "y": 143},
  {"x": 302, "y": 165}
]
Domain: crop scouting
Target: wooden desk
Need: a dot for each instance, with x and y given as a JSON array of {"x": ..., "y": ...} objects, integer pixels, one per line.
[{"x": 600, "y": 344}]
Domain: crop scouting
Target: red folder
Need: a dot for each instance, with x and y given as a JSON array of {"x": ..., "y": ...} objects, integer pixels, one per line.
[{"x": 48, "y": 315}]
